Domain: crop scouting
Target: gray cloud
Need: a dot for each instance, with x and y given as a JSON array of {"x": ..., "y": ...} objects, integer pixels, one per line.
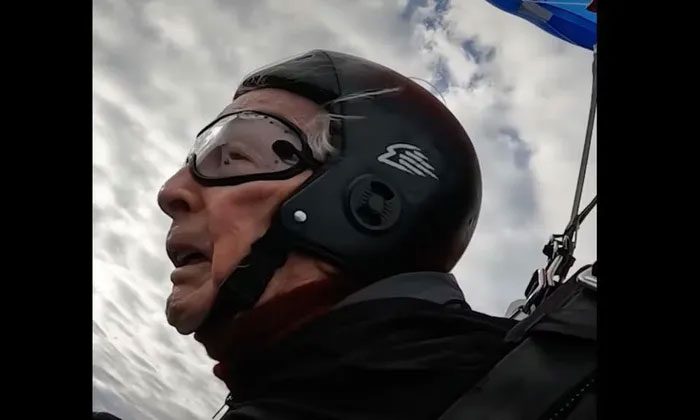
[
  {"x": 411, "y": 6},
  {"x": 97, "y": 330},
  {"x": 116, "y": 316},
  {"x": 154, "y": 270},
  {"x": 130, "y": 300},
  {"x": 116, "y": 245},
  {"x": 101, "y": 374},
  {"x": 130, "y": 135},
  {"x": 436, "y": 19},
  {"x": 441, "y": 78},
  {"x": 164, "y": 337},
  {"x": 521, "y": 150},
  {"x": 98, "y": 215},
  {"x": 476, "y": 80},
  {"x": 141, "y": 362},
  {"x": 477, "y": 52}
]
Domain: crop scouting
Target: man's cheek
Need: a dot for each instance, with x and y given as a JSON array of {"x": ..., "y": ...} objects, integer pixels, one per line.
[
  {"x": 228, "y": 253},
  {"x": 237, "y": 219},
  {"x": 232, "y": 241}
]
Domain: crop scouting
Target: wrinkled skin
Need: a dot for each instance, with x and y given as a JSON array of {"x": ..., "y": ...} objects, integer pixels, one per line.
[{"x": 223, "y": 223}]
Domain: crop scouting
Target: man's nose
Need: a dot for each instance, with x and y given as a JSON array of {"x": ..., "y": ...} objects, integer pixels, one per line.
[{"x": 180, "y": 194}]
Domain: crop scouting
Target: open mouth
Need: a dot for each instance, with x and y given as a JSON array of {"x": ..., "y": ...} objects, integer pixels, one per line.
[
  {"x": 183, "y": 255},
  {"x": 190, "y": 259}
]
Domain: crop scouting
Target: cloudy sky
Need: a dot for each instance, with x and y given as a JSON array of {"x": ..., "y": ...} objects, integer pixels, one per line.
[{"x": 162, "y": 69}]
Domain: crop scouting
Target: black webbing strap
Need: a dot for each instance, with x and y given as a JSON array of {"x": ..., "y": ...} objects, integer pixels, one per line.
[
  {"x": 547, "y": 371},
  {"x": 558, "y": 301},
  {"x": 242, "y": 289},
  {"x": 529, "y": 381}
]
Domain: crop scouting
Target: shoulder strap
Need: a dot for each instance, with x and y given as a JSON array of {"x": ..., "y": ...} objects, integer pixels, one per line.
[
  {"x": 551, "y": 368},
  {"x": 528, "y": 381}
]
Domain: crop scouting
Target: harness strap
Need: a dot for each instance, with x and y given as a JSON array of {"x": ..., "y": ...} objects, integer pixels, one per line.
[
  {"x": 551, "y": 369},
  {"x": 530, "y": 381}
]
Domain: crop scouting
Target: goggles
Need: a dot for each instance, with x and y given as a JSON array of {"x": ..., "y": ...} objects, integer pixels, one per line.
[{"x": 249, "y": 146}]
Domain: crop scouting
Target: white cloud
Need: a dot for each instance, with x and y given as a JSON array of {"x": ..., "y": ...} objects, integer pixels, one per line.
[{"x": 164, "y": 68}]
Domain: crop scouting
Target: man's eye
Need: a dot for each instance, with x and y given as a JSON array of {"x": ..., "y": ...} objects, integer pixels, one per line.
[
  {"x": 237, "y": 156},
  {"x": 286, "y": 151}
]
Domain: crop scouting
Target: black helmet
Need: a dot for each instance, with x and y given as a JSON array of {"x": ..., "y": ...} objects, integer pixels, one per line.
[{"x": 402, "y": 193}]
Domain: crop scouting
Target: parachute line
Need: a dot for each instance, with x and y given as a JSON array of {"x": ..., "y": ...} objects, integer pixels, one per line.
[{"x": 587, "y": 144}]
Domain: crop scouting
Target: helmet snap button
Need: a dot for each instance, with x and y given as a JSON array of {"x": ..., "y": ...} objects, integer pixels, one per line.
[{"x": 299, "y": 216}]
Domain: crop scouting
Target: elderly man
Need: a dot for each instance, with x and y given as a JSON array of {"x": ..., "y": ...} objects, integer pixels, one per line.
[{"x": 313, "y": 228}]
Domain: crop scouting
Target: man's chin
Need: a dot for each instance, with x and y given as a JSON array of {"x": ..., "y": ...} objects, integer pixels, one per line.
[
  {"x": 187, "y": 306},
  {"x": 184, "y": 316}
]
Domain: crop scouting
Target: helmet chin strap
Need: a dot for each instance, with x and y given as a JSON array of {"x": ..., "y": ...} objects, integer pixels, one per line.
[{"x": 246, "y": 284}]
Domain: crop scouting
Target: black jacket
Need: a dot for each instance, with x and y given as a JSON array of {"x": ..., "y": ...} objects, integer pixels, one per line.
[{"x": 403, "y": 348}]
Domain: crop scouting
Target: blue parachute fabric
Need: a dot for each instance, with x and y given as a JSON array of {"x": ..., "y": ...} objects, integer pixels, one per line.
[{"x": 569, "y": 20}]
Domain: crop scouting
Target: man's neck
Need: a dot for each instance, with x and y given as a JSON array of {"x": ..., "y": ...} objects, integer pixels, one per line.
[{"x": 299, "y": 292}]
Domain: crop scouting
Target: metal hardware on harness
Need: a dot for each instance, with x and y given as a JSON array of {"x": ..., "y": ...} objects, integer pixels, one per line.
[
  {"x": 588, "y": 279},
  {"x": 515, "y": 311},
  {"x": 558, "y": 251},
  {"x": 560, "y": 260},
  {"x": 535, "y": 291}
]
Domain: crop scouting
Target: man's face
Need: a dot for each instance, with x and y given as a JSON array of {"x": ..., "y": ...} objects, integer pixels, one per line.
[{"x": 214, "y": 227}]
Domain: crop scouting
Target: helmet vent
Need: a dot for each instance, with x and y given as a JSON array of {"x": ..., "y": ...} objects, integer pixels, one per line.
[{"x": 374, "y": 204}]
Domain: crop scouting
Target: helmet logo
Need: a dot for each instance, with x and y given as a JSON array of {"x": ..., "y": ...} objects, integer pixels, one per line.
[{"x": 408, "y": 158}]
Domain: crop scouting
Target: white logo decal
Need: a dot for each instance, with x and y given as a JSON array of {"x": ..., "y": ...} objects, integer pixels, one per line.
[{"x": 408, "y": 158}]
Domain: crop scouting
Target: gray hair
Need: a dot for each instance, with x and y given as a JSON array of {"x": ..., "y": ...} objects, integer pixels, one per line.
[
  {"x": 319, "y": 130},
  {"x": 319, "y": 136}
]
